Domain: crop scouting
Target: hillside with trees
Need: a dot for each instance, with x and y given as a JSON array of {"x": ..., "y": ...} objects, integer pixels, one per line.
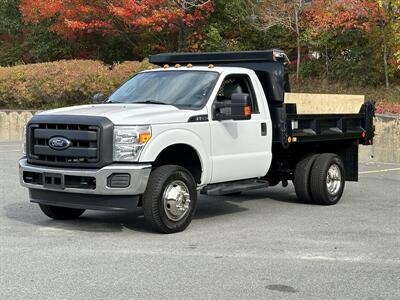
[{"x": 350, "y": 46}]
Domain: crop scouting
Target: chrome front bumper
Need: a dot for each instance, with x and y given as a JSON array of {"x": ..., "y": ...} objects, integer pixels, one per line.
[{"x": 139, "y": 175}]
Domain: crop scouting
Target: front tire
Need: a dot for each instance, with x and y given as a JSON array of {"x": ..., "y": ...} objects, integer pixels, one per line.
[
  {"x": 61, "y": 213},
  {"x": 327, "y": 179},
  {"x": 170, "y": 199}
]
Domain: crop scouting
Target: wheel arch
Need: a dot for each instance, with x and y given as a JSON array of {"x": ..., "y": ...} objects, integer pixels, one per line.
[{"x": 179, "y": 147}]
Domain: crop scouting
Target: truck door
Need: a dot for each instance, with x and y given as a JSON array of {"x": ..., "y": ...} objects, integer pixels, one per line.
[{"x": 240, "y": 149}]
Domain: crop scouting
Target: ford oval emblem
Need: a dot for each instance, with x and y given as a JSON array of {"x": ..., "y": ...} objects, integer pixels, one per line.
[{"x": 59, "y": 143}]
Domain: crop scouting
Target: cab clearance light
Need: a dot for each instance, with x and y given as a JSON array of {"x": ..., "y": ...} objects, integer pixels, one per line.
[
  {"x": 189, "y": 66},
  {"x": 166, "y": 66},
  {"x": 177, "y": 66},
  {"x": 210, "y": 66}
]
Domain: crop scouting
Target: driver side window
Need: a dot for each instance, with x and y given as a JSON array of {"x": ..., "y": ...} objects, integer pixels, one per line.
[{"x": 237, "y": 84}]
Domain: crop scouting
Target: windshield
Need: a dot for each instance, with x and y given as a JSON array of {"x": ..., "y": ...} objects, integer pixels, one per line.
[{"x": 188, "y": 89}]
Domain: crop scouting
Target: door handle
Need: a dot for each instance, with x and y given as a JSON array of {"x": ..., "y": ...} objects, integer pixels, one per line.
[{"x": 263, "y": 129}]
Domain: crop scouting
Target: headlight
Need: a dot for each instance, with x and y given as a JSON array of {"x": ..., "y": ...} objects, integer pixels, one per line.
[
  {"x": 24, "y": 144},
  {"x": 129, "y": 142}
]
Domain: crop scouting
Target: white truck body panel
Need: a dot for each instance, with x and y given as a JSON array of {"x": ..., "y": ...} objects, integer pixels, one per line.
[
  {"x": 197, "y": 136},
  {"x": 238, "y": 150}
]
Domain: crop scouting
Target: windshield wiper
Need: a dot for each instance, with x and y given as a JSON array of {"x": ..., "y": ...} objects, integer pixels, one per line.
[
  {"x": 150, "y": 102},
  {"x": 116, "y": 102},
  {"x": 142, "y": 102}
]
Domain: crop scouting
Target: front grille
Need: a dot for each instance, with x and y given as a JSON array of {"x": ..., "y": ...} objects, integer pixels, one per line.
[
  {"x": 84, "y": 143},
  {"x": 90, "y": 141}
]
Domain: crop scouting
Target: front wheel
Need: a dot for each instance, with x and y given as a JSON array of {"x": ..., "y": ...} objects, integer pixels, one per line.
[
  {"x": 170, "y": 199},
  {"x": 61, "y": 213},
  {"x": 327, "y": 179}
]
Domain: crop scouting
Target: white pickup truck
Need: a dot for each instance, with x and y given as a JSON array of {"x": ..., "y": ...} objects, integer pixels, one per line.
[{"x": 210, "y": 122}]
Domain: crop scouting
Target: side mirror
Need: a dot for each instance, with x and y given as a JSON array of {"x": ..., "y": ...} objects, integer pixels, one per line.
[
  {"x": 98, "y": 98},
  {"x": 238, "y": 108}
]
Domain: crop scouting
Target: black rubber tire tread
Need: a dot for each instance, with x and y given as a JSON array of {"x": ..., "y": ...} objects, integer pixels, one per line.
[
  {"x": 61, "y": 213},
  {"x": 302, "y": 176},
  {"x": 152, "y": 198},
  {"x": 318, "y": 179}
]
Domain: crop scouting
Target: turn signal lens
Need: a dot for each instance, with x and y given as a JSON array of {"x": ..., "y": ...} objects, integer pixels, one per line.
[
  {"x": 247, "y": 111},
  {"x": 144, "y": 137}
]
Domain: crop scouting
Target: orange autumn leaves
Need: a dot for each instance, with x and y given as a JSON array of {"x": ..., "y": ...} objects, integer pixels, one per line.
[
  {"x": 324, "y": 16},
  {"x": 74, "y": 17}
]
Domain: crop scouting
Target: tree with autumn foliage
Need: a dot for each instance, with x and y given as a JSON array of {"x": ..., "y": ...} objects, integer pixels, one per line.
[
  {"x": 326, "y": 37},
  {"x": 285, "y": 14},
  {"x": 337, "y": 17},
  {"x": 389, "y": 24},
  {"x": 135, "y": 21},
  {"x": 330, "y": 19}
]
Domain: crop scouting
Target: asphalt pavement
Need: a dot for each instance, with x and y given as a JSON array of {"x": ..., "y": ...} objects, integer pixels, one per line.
[{"x": 260, "y": 245}]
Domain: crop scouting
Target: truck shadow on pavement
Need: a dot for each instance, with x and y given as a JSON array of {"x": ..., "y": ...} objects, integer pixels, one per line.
[{"x": 97, "y": 221}]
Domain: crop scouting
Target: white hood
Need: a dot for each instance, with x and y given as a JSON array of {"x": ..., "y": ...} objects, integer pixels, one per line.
[{"x": 129, "y": 114}]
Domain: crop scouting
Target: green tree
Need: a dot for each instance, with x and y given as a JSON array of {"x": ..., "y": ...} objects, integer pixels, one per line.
[
  {"x": 231, "y": 26},
  {"x": 23, "y": 43}
]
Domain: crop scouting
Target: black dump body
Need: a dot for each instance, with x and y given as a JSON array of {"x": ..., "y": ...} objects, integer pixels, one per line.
[{"x": 294, "y": 135}]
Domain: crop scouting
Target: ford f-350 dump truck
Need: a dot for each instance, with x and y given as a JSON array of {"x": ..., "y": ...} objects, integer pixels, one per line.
[{"x": 215, "y": 123}]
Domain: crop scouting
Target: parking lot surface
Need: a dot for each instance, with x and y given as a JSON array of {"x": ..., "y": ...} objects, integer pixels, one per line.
[{"x": 260, "y": 245}]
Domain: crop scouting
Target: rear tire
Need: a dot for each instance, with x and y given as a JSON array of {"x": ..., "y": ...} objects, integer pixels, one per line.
[
  {"x": 302, "y": 176},
  {"x": 170, "y": 199},
  {"x": 61, "y": 213},
  {"x": 327, "y": 179}
]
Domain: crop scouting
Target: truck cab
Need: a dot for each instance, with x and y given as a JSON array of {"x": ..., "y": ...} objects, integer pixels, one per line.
[{"x": 214, "y": 123}]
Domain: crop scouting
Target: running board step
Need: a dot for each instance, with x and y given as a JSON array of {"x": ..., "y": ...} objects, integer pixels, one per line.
[{"x": 219, "y": 189}]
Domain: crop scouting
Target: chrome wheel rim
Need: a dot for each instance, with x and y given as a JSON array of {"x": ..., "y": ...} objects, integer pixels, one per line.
[
  {"x": 333, "y": 180},
  {"x": 176, "y": 200}
]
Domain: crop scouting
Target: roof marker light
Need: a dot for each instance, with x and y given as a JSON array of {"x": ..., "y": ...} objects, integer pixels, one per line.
[
  {"x": 189, "y": 66},
  {"x": 177, "y": 66},
  {"x": 166, "y": 66},
  {"x": 210, "y": 66}
]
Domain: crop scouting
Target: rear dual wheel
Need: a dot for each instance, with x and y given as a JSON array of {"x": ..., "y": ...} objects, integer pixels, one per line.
[{"x": 320, "y": 179}]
